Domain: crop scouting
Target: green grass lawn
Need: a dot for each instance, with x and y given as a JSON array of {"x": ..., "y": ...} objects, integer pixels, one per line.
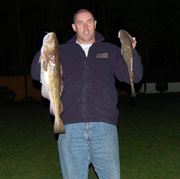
[{"x": 149, "y": 138}]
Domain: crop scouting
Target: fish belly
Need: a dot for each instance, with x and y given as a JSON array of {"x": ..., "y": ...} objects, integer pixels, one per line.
[{"x": 50, "y": 90}]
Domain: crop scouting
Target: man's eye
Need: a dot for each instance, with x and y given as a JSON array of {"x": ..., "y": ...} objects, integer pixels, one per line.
[
  {"x": 89, "y": 21},
  {"x": 79, "y": 23}
]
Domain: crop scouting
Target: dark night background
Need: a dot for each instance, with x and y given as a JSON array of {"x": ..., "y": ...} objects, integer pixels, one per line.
[{"x": 155, "y": 24}]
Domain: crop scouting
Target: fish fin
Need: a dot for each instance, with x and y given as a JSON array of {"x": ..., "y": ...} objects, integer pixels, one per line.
[
  {"x": 131, "y": 64},
  {"x": 40, "y": 59},
  {"x": 122, "y": 51},
  {"x": 59, "y": 126},
  {"x": 44, "y": 62},
  {"x": 61, "y": 71},
  {"x": 44, "y": 92},
  {"x": 51, "y": 109},
  {"x": 61, "y": 108},
  {"x": 45, "y": 65},
  {"x": 133, "y": 93},
  {"x": 61, "y": 89}
]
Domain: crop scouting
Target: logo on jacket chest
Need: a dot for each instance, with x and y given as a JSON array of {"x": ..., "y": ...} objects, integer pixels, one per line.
[{"x": 102, "y": 55}]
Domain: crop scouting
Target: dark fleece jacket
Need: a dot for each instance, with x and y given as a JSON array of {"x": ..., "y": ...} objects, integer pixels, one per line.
[{"x": 89, "y": 84}]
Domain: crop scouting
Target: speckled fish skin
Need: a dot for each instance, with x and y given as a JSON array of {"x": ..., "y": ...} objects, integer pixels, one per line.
[
  {"x": 51, "y": 78},
  {"x": 127, "y": 53}
]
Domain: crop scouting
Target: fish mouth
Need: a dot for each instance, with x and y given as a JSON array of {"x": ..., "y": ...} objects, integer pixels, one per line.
[
  {"x": 119, "y": 34},
  {"x": 48, "y": 38}
]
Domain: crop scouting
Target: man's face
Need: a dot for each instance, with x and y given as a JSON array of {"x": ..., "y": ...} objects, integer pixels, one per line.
[{"x": 85, "y": 26}]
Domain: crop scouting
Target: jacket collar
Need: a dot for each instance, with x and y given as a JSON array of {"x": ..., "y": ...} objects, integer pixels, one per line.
[{"x": 98, "y": 38}]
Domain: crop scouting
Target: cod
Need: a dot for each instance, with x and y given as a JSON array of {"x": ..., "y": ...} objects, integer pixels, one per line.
[
  {"x": 127, "y": 52},
  {"x": 51, "y": 78}
]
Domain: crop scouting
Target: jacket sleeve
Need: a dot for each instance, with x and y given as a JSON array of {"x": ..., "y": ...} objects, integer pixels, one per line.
[
  {"x": 121, "y": 70},
  {"x": 35, "y": 67}
]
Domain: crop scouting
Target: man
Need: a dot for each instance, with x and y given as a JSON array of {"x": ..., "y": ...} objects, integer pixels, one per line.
[{"x": 90, "y": 100}]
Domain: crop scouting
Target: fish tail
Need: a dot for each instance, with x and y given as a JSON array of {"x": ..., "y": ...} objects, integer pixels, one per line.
[
  {"x": 58, "y": 126},
  {"x": 133, "y": 93}
]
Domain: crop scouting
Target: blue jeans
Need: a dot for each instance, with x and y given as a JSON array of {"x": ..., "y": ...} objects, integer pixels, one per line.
[{"x": 85, "y": 143}]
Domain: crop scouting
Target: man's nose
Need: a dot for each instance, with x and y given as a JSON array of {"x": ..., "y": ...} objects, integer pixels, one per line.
[{"x": 85, "y": 25}]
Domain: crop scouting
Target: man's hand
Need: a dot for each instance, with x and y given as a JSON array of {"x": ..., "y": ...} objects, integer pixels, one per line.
[{"x": 134, "y": 44}]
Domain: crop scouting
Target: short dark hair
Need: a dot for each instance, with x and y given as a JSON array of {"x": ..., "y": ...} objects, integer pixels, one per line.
[{"x": 79, "y": 11}]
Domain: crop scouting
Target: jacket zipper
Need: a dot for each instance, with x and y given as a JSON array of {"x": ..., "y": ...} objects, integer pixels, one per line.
[{"x": 84, "y": 85}]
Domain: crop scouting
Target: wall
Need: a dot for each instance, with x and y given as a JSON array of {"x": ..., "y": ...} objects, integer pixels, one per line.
[{"x": 17, "y": 84}]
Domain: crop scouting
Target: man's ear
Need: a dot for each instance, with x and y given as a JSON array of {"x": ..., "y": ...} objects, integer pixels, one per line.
[
  {"x": 74, "y": 27},
  {"x": 95, "y": 23}
]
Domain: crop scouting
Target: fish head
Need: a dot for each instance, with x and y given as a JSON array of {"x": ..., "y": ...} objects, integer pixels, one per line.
[
  {"x": 120, "y": 34},
  {"x": 49, "y": 45},
  {"x": 124, "y": 39},
  {"x": 125, "y": 35}
]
